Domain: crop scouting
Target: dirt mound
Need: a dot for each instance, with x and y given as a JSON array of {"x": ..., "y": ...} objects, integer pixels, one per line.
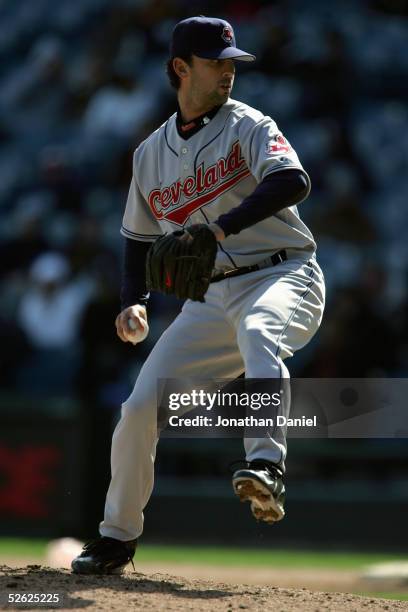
[{"x": 139, "y": 591}]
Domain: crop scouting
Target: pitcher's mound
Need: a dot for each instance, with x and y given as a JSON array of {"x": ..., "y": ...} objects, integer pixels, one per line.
[{"x": 61, "y": 590}]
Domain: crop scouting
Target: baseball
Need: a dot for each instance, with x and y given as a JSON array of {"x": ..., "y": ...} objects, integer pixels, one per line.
[{"x": 137, "y": 335}]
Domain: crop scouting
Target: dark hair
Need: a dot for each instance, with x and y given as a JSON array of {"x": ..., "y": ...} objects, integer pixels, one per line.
[{"x": 171, "y": 73}]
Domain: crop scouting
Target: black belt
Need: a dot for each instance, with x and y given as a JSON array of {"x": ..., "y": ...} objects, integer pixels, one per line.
[{"x": 274, "y": 260}]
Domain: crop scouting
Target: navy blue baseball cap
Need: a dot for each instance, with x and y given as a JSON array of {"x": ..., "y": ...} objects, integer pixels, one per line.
[{"x": 206, "y": 37}]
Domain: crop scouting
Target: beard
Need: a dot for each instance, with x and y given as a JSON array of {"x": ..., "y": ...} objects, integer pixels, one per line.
[
  {"x": 209, "y": 99},
  {"x": 219, "y": 98},
  {"x": 220, "y": 95}
]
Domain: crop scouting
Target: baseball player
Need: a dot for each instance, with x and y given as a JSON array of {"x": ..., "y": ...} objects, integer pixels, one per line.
[{"x": 219, "y": 172}]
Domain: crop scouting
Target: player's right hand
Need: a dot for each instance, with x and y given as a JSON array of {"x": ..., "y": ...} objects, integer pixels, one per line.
[{"x": 131, "y": 324}]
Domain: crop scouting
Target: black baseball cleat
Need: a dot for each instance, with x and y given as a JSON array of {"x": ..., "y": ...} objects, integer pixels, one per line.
[
  {"x": 261, "y": 483},
  {"x": 104, "y": 556}
]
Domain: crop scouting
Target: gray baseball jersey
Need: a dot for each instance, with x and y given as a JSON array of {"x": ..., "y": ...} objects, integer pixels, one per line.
[{"x": 179, "y": 182}]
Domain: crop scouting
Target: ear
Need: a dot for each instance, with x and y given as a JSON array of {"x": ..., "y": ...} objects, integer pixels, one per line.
[{"x": 181, "y": 68}]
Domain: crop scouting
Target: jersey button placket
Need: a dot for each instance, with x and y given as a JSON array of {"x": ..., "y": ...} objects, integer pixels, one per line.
[{"x": 184, "y": 160}]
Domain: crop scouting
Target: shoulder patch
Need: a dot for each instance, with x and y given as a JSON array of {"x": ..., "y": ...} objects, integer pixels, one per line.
[{"x": 278, "y": 144}]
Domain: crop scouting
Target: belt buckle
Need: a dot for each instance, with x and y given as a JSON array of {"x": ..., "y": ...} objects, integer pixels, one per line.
[{"x": 228, "y": 273}]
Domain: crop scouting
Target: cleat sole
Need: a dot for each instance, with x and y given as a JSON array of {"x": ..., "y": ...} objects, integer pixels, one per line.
[{"x": 264, "y": 506}]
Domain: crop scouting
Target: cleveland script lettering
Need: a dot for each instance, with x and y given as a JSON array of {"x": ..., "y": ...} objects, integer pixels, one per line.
[{"x": 208, "y": 184}]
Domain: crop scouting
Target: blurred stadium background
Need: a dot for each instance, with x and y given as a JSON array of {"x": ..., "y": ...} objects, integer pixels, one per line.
[{"x": 81, "y": 84}]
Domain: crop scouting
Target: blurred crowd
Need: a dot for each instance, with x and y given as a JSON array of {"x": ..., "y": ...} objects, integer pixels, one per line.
[{"x": 82, "y": 83}]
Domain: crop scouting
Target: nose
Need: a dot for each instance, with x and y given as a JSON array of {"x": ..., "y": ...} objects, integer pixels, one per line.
[{"x": 228, "y": 67}]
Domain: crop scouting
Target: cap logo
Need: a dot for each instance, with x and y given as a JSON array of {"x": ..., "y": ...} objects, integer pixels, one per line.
[{"x": 227, "y": 35}]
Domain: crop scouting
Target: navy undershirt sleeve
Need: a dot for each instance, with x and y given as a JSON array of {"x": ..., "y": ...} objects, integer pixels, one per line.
[
  {"x": 133, "y": 290},
  {"x": 277, "y": 191}
]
